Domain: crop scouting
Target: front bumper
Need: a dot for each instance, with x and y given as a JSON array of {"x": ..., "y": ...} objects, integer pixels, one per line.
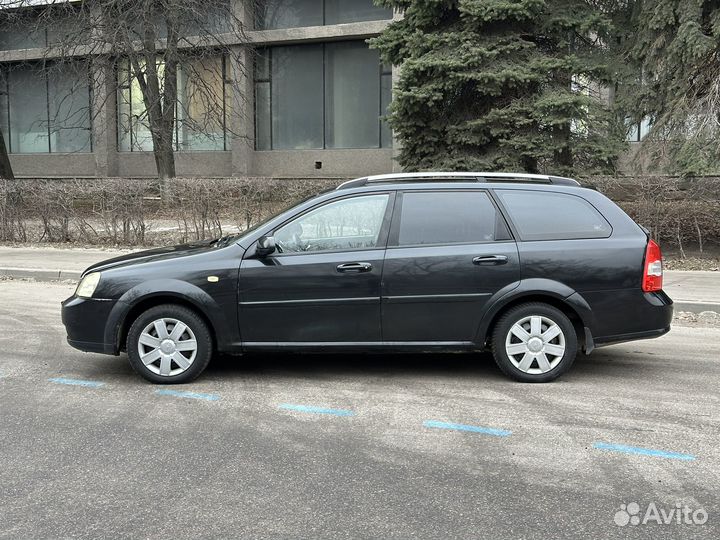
[{"x": 85, "y": 320}]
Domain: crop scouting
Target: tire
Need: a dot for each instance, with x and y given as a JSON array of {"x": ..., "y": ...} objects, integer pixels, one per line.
[
  {"x": 541, "y": 356},
  {"x": 156, "y": 357}
]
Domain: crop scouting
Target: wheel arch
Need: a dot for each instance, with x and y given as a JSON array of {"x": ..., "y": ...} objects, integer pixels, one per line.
[
  {"x": 555, "y": 294},
  {"x": 148, "y": 295}
]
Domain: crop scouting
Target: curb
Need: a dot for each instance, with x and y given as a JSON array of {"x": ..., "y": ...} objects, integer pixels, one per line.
[
  {"x": 40, "y": 274},
  {"x": 696, "y": 307}
]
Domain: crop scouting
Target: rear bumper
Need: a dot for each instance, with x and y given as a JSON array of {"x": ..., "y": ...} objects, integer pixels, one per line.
[
  {"x": 648, "y": 316},
  {"x": 621, "y": 338},
  {"x": 85, "y": 320}
]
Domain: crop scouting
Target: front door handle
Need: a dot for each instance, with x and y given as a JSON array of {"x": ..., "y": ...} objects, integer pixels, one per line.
[
  {"x": 490, "y": 260},
  {"x": 354, "y": 268}
]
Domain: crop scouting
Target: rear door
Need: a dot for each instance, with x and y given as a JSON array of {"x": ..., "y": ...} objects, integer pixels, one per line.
[{"x": 448, "y": 252}]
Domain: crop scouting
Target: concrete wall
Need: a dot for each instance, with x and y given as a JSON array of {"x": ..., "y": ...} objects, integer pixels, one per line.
[
  {"x": 208, "y": 164},
  {"x": 53, "y": 165},
  {"x": 301, "y": 163}
]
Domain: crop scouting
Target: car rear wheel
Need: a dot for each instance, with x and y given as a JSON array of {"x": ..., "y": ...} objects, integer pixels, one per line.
[
  {"x": 534, "y": 342},
  {"x": 169, "y": 344}
]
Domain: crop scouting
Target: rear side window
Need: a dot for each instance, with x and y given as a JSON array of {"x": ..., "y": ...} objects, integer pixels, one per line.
[
  {"x": 449, "y": 217},
  {"x": 543, "y": 215}
]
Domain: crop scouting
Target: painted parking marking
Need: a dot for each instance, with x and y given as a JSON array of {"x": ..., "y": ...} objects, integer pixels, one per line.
[
  {"x": 465, "y": 427},
  {"x": 316, "y": 410},
  {"x": 189, "y": 395},
  {"x": 76, "y": 382},
  {"x": 643, "y": 451}
]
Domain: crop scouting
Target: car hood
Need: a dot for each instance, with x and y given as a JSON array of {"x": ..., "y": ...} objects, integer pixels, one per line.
[{"x": 152, "y": 255}]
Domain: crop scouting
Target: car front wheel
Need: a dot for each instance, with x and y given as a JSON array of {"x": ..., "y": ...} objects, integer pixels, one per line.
[
  {"x": 534, "y": 342},
  {"x": 169, "y": 344}
]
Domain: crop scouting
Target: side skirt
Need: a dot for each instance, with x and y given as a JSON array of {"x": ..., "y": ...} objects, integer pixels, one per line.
[{"x": 369, "y": 347}]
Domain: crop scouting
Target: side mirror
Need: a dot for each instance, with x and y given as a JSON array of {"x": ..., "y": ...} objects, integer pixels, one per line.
[{"x": 265, "y": 246}]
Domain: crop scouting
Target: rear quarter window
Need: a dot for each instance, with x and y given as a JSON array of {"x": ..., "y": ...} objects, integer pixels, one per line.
[{"x": 547, "y": 215}]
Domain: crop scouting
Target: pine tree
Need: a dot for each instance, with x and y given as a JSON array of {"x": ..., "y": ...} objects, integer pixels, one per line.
[
  {"x": 674, "y": 46},
  {"x": 502, "y": 85}
]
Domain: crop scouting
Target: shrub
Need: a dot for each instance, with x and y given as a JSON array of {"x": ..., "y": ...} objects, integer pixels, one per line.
[{"x": 133, "y": 212}]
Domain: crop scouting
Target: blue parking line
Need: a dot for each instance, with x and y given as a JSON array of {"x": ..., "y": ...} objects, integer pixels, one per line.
[
  {"x": 643, "y": 451},
  {"x": 190, "y": 395},
  {"x": 77, "y": 382},
  {"x": 317, "y": 410},
  {"x": 466, "y": 427}
]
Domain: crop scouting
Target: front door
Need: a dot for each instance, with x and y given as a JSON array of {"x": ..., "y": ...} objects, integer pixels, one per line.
[
  {"x": 322, "y": 285},
  {"x": 448, "y": 252}
]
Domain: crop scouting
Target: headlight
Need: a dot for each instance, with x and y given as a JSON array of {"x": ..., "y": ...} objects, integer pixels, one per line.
[{"x": 86, "y": 287}]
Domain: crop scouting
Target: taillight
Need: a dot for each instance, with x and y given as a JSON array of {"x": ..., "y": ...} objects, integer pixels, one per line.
[{"x": 652, "y": 277}]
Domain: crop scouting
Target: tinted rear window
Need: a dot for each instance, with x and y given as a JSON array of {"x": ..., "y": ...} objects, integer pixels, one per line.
[
  {"x": 544, "y": 215},
  {"x": 449, "y": 217}
]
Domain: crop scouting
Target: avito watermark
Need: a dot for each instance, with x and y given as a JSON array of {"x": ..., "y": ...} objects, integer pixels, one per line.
[{"x": 680, "y": 514}]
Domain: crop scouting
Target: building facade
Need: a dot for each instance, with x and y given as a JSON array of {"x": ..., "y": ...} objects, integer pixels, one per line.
[{"x": 311, "y": 100}]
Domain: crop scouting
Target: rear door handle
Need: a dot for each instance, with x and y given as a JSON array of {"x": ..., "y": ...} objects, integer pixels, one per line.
[
  {"x": 490, "y": 260},
  {"x": 354, "y": 268}
]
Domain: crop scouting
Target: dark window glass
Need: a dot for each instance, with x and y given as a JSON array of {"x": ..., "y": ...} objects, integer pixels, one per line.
[
  {"x": 332, "y": 95},
  {"x": 542, "y": 215},
  {"x": 69, "y": 108},
  {"x": 352, "y": 95},
  {"x": 345, "y": 11},
  {"x": 289, "y": 13},
  {"x": 21, "y": 32},
  {"x": 45, "y": 109},
  {"x": 448, "y": 217},
  {"x": 295, "y": 13},
  {"x": 297, "y": 97}
]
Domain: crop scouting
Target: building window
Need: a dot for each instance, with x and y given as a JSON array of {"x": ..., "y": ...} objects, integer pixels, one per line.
[
  {"x": 45, "y": 109},
  {"x": 200, "y": 108},
  {"x": 30, "y": 29},
  {"x": 638, "y": 131},
  {"x": 293, "y": 13},
  {"x": 331, "y": 95}
]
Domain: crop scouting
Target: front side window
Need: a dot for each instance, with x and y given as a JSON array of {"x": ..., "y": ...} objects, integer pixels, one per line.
[
  {"x": 331, "y": 95},
  {"x": 542, "y": 215},
  {"x": 450, "y": 217},
  {"x": 337, "y": 226},
  {"x": 294, "y": 13}
]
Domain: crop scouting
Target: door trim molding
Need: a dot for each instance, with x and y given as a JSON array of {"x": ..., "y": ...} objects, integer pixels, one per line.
[
  {"x": 410, "y": 298},
  {"x": 311, "y": 301}
]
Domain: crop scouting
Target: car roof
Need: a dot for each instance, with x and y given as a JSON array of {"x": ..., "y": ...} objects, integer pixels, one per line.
[{"x": 463, "y": 177}]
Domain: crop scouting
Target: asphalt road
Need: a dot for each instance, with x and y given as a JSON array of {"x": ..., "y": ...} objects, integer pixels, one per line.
[{"x": 116, "y": 459}]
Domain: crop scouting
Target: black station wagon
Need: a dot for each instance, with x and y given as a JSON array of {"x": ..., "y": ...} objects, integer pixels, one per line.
[{"x": 532, "y": 267}]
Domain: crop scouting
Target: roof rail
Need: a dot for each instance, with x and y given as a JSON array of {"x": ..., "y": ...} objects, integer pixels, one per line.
[{"x": 459, "y": 176}]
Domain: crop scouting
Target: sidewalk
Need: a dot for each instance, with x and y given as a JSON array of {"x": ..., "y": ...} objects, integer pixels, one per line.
[
  {"x": 691, "y": 291},
  {"x": 47, "y": 263}
]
